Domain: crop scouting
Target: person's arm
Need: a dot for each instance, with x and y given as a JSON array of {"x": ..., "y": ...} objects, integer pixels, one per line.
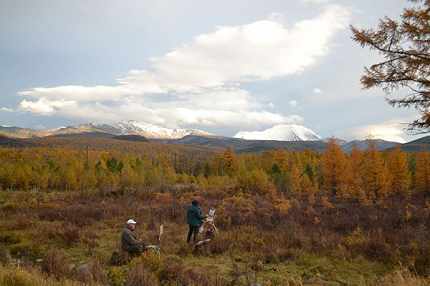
[
  {"x": 130, "y": 239},
  {"x": 200, "y": 216}
]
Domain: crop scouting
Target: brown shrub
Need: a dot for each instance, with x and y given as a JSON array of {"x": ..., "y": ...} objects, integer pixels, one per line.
[
  {"x": 201, "y": 276},
  {"x": 219, "y": 245},
  {"x": 4, "y": 256},
  {"x": 171, "y": 269},
  {"x": 93, "y": 273},
  {"x": 70, "y": 234},
  {"x": 139, "y": 275},
  {"x": 55, "y": 264}
]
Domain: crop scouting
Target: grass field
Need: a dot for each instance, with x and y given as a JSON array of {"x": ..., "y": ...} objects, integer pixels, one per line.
[{"x": 63, "y": 238}]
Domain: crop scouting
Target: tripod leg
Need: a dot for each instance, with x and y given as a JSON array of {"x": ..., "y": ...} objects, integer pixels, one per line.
[{"x": 216, "y": 231}]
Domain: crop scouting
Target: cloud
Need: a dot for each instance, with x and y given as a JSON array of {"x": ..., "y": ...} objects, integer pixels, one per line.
[
  {"x": 198, "y": 83},
  {"x": 43, "y": 106},
  {"x": 314, "y": 1},
  {"x": 292, "y": 103},
  {"x": 393, "y": 130},
  {"x": 40, "y": 126},
  {"x": 318, "y": 91}
]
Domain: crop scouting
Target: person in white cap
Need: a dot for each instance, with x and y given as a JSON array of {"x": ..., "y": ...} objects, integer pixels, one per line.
[{"x": 129, "y": 242}]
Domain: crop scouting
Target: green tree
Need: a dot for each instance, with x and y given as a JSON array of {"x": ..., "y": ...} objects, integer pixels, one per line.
[{"x": 405, "y": 48}]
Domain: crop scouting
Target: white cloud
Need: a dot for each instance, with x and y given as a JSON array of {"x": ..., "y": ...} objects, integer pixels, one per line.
[
  {"x": 314, "y": 1},
  {"x": 43, "y": 106},
  {"x": 78, "y": 93},
  {"x": 7, "y": 109},
  {"x": 393, "y": 130},
  {"x": 318, "y": 91},
  {"x": 197, "y": 83},
  {"x": 292, "y": 103},
  {"x": 40, "y": 126}
]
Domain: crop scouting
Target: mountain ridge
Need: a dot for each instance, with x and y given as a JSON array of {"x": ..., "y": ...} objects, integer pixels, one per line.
[
  {"x": 281, "y": 132},
  {"x": 194, "y": 137}
]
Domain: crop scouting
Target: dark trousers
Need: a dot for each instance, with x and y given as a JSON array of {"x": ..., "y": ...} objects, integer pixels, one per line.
[
  {"x": 136, "y": 250},
  {"x": 194, "y": 229}
]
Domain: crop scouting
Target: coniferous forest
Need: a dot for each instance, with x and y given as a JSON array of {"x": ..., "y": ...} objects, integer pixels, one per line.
[{"x": 284, "y": 217}]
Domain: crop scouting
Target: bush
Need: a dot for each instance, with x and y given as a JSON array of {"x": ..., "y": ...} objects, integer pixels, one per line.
[
  {"x": 93, "y": 273},
  {"x": 171, "y": 269},
  {"x": 140, "y": 275},
  {"x": 117, "y": 275},
  {"x": 4, "y": 256},
  {"x": 28, "y": 250},
  {"x": 55, "y": 264}
]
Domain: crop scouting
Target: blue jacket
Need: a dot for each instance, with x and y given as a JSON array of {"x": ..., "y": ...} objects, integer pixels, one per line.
[{"x": 194, "y": 216}]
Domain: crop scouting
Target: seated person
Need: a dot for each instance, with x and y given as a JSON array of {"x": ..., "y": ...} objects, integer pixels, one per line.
[{"x": 129, "y": 242}]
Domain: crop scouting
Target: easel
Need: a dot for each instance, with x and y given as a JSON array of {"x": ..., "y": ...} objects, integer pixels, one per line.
[
  {"x": 210, "y": 219},
  {"x": 156, "y": 248}
]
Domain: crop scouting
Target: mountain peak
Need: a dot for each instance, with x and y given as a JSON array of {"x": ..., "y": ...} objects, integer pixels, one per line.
[
  {"x": 148, "y": 130},
  {"x": 281, "y": 132}
]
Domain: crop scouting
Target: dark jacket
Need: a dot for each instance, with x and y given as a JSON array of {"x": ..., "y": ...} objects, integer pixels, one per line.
[
  {"x": 128, "y": 239},
  {"x": 194, "y": 216}
]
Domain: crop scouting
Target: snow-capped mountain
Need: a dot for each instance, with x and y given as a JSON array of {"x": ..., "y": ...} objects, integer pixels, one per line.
[
  {"x": 282, "y": 132},
  {"x": 148, "y": 130}
]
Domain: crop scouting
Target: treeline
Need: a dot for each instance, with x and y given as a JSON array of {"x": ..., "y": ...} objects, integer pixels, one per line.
[{"x": 367, "y": 175}]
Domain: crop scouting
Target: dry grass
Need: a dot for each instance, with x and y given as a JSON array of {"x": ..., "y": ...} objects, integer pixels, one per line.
[{"x": 344, "y": 241}]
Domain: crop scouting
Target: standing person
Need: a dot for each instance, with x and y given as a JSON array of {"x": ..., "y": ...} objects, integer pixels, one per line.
[
  {"x": 194, "y": 219},
  {"x": 129, "y": 242}
]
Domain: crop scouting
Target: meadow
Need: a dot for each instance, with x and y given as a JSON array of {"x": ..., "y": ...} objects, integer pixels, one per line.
[{"x": 284, "y": 217}]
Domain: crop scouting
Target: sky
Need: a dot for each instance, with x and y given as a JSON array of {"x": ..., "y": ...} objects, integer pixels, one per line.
[{"x": 218, "y": 66}]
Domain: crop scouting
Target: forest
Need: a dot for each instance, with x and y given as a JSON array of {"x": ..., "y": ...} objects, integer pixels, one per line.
[{"x": 284, "y": 217}]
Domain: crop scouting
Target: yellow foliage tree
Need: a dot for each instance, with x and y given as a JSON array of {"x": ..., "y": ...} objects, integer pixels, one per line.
[
  {"x": 228, "y": 161},
  {"x": 334, "y": 164},
  {"x": 422, "y": 174},
  {"x": 398, "y": 167},
  {"x": 375, "y": 173},
  {"x": 354, "y": 173},
  {"x": 295, "y": 179},
  {"x": 283, "y": 159}
]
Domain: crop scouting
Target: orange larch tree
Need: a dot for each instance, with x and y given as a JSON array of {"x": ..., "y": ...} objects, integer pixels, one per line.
[
  {"x": 398, "y": 167},
  {"x": 334, "y": 164},
  {"x": 283, "y": 159},
  {"x": 422, "y": 174},
  {"x": 354, "y": 172},
  {"x": 228, "y": 161},
  {"x": 375, "y": 174}
]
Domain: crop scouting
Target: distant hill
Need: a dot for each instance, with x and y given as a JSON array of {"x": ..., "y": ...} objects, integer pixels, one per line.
[
  {"x": 71, "y": 131},
  {"x": 19, "y": 132},
  {"x": 95, "y": 134},
  {"x": 244, "y": 146},
  {"x": 147, "y": 130},
  {"x": 130, "y": 127},
  {"x": 362, "y": 145},
  {"x": 416, "y": 145},
  {"x": 288, "y": 137},
  {"x": 133, "y": 138},
  {"x": 6, "y": 141}
]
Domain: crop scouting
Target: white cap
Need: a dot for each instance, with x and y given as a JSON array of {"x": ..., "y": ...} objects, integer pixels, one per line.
[{"x": 131, "y": 221}]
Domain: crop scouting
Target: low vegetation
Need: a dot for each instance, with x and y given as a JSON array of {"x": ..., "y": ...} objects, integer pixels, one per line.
[{"x": 284, "y": 218}]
